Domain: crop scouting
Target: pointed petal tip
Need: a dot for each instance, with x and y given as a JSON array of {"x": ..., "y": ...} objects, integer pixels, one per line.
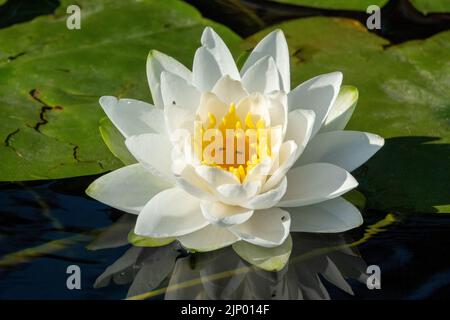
[{"x": 107, "y": 100}]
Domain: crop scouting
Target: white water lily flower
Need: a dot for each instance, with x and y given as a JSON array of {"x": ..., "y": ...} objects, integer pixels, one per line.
[{"x": 294, "y": 185}]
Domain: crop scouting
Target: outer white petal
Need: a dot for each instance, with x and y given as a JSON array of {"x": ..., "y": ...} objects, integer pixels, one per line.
[
  {"x": 274, "y": 45},
  {"x": 154, "y": 152},
  {"x": 268, "y": 199},
  {"x": 132, "y": 117},
  {"x": 229, "y": 90},
  {"x": 171, "y": 213},
  {"x": 224, "y": 215},
  {"x": 158, "y": 62},
  {"x": 346, "y": 149},
  {"x": 317, "y": 94},
  {"x": 208, "y": 239},
  {"x": 342, "y": 109},
  {"x": 128, "y": 188},
  {"x": 212, "y": 41},
  {"x": 176, "y": 91},
  {"x": 267, "y": 228},
  {"x": 205, "y": 70},
  {"x": 315, "y": 183},
  {"x": 332, "y": 216},
  {"x": 262, "y": 76}
]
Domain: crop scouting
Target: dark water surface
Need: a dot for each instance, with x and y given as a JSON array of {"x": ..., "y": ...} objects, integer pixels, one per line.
[{"x": 413, "y": 252}]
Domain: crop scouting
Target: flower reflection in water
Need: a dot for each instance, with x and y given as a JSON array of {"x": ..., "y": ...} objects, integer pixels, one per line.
[{"x": 172, "y": 273}]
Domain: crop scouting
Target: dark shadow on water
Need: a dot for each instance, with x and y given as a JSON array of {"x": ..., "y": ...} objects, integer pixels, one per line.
[
  {"x": 409, "y": 174},
  {"x": 17, "y": 11}
]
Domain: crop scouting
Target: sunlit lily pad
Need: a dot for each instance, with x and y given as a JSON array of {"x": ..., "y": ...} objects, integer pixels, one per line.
[
  {"x": 51, "y": 79},
  {"x": 404, "y": 94}
]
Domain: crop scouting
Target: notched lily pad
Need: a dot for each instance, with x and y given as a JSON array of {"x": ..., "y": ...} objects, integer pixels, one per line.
[{"x": 51, "y": 79}]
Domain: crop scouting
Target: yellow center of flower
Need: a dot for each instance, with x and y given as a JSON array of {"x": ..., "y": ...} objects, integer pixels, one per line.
[{"x": 233, "y": 144}]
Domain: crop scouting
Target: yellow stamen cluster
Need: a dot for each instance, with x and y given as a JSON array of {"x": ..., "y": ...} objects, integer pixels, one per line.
[{"x": 247, "y": 142}]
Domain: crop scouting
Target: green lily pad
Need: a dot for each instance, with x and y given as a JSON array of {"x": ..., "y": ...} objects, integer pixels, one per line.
[
  {"x": 404, "y": 94},
  {"x": 357, "y": 5},
  {"x": 435, "y": 6},
  {"x": 115, "y": 141},
  {"x": 269, "y": 259},
  {"x": 424, "y": 6},
  {"x": 51, "y": 79},
  {"x": 141, "y": 241}
]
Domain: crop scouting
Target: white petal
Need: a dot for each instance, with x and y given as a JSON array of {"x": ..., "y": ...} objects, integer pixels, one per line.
[
  {"x": 171, "y": 213},
  {"x": 317, "y": 94},
  {"x": 275, "y": 46},
  {"x": 332, "y": 216},
  {"x": 179, "y": 122},
  {"x": 300, "y": 126},
  {"x": 224, "y": 215},
  {"x": 212, "y": 41},
  {"x": 298, "y": 133},
  {"x": 262, "y": 76},
  {"x": 209, "y": 102},
  {"x": 235, "y": 194},
  {"x": 158, "y": 62},
  {"x": 268, "y": 199},
  {"x": 128, "y": 188},
  {"x": 215, "y": 176},
  {"x": 208, "y": 239},
  {"x": 281, "y": 165},
  {"x": 189, "y": 181},
  {"x": 132, "y": 117},
  {"x": 315, "y": 183},
  {"x": 154, "y": 152},
  {"x": 257, "y": 104},
  {"x": 267, "y": 228},
  {"x": 342, "y": 109},
  {"x": 229, "y": 90},
  {"x": 278, "y": 109},
  {"x": 205, "y": 70},
  {"x": 176, "y": 91},
  {"x": 346, "y": 149}
]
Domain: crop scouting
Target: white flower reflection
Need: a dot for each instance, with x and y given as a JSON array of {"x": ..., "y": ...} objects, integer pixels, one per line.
[{"x": 315, "y": 262}]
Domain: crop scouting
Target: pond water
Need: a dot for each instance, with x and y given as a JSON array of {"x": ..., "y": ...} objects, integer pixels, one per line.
[{"x": 46, "y": 226}]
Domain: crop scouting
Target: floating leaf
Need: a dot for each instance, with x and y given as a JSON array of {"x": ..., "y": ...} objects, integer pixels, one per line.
[
  {"x": 141, "y": 241},
  {"x": 269, "y": 259},
  {"x": 115, "y": 141},
  {"x": 51, "y": 79},
  {"x": 404, "y": 94}
]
